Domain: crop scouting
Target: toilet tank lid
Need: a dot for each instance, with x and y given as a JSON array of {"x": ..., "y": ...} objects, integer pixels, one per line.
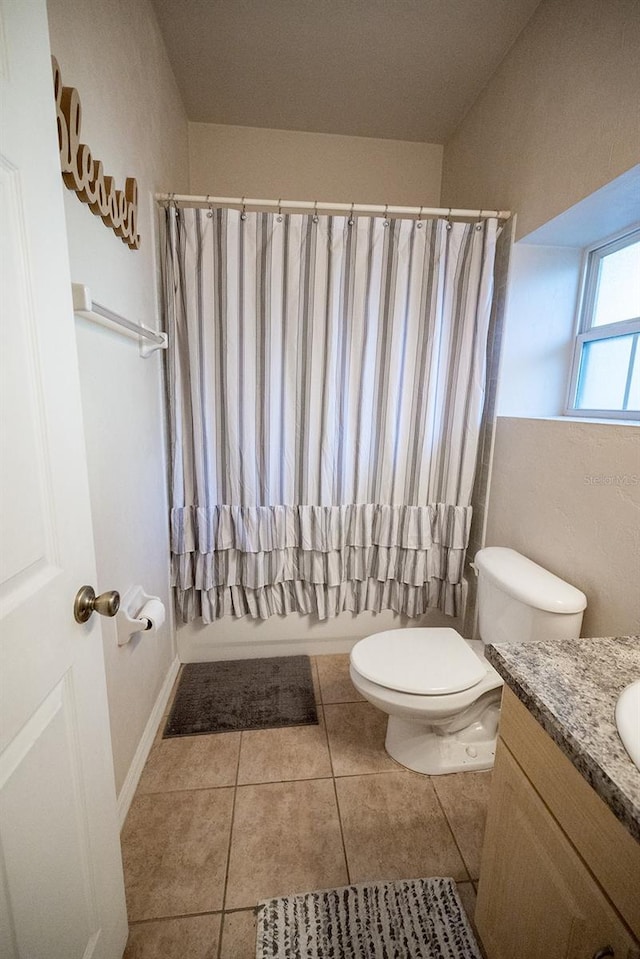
[{"x": 527, "y": 582}]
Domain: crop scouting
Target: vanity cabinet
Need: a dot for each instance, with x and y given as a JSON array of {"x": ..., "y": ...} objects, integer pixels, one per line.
[{"x": 560, "y": 875}]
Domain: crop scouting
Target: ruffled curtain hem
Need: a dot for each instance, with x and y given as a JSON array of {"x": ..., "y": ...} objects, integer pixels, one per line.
[
  {"x": 262, "y": 561},
  {"x": 318, "y": 600},
  {"x": 411, "y": 567}
]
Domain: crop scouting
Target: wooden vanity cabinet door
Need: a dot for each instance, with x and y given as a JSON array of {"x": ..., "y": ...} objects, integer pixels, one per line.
[{"x": 537, "y": 899}]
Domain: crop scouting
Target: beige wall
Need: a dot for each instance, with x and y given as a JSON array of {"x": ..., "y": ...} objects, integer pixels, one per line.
[
  {"x": 567, "y": 495},
  {"x": 248, "y": 161},
  {"x": 134, "y": 122},
  {"x": 559, "y": 118}
]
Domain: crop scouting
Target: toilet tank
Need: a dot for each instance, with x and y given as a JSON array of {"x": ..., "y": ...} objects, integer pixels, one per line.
[{"x": 520, "y": 602}]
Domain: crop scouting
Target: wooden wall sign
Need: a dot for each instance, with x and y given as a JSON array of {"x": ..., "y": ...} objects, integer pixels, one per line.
[{"x": 82, "y": 173}]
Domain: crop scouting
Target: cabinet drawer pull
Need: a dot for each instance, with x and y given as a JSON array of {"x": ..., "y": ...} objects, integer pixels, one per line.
[{"x": 606, "y": 953}]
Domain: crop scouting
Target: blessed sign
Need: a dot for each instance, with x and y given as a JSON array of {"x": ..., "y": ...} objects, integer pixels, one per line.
[{"x": 82, "y": 173}]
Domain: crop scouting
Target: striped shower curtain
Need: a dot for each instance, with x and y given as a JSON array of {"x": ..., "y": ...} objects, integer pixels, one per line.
[{"x": 326, "y": 381}]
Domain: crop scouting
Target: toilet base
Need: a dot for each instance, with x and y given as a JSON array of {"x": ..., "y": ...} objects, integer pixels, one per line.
[{"x": 421, "y": 748}]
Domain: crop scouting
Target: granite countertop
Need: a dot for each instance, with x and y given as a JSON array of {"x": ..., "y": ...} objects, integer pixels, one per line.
[{"x": 571, "y": 688}]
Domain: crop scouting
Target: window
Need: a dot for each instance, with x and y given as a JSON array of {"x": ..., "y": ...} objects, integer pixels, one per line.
[{"x": 605, "y": 379}]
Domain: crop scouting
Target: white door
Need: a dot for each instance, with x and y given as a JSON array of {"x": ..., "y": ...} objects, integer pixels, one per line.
[{"x": 61, "y": 886}]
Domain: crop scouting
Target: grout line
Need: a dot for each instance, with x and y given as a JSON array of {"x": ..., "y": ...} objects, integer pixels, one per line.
[
  {"x": 285, "y": 782},
  {"x": 276, "y": 782},
  {"x": 182, "y": 915},
  {"x": 453, "y": 834},
  {"x": 373, "y": 772},
  {"x": 346, "y": 702},
  {"x": 335, "y": 792},
  {"x": 235, "y": 782},
  {"x": 183, "y": 789},
  {"x": 328, "y": 738},
  {"x": 398, "y": 768},
  {"x": 226, "y": 872},
  {"x": 318, "y": 683},
  {"x": 326, "y": 735}
]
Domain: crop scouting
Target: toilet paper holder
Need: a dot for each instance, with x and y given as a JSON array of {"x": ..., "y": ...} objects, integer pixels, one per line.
[{"x": 131, "y": 618}]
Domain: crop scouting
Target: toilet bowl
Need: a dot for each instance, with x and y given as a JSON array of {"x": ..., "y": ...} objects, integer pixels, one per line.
[
  {"x": 440, "y": 693},
  {"x": 442, "y": 697}
]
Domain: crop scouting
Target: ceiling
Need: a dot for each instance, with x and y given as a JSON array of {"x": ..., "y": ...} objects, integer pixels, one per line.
[{"x": 400, "y": 69}]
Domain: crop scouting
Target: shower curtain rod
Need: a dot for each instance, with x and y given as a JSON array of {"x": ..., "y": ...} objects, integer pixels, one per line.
[{"x": 313, "y": 206}]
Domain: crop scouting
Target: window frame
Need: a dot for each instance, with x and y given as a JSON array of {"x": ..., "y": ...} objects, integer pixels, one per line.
[{"x": 586, "y": 332}]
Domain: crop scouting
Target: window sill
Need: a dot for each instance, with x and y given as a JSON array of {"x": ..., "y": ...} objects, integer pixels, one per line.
[
  {"x": 605, "y": 420},
  {"x": 602, "y": 421}
]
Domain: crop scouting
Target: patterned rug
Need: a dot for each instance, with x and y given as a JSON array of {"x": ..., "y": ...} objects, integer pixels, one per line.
[
  {"x": 407, "y": 919},
  {"x": 243, "y": 694}
]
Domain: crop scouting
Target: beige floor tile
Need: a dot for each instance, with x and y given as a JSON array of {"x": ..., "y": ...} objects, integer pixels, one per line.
[
  {"x": 174, "y": 850},
  {"x": 286, "y": 838},
  {"x": 467, "y": 894},
  {"x": 356, "y": 738},
  {"x": 316, "y": 680},
  {"x": 191, "y": 762},
  {"x": 464, "y": 798},
  {"x": 239, "y": 935},
  {"x": 275, "y": 755},
  {"x": 394, "y": 828},
  {"x": 196, "y": 937},
  {"x": 335, "y": 683}
]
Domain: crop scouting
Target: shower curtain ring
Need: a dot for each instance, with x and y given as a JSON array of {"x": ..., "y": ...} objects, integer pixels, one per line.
[
  {"x": 479, "y": 223},
  {"x": 243, "y": 215},
  {"x": 315, "y": 216},
  {"x": 419, "y": 223},
  {"x": 386, "y": 215},
  {"x": 210, "y": 213},
  {"x": 279, "y": 216},
  {"x": 449, "y": 223},
  {"x": 350, "y": 220}
]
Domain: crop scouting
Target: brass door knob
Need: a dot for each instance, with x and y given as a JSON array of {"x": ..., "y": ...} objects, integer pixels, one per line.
[{"x": 86, "y": 603}]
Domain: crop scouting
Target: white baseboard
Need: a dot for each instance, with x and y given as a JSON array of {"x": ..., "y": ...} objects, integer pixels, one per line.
[{"x": 130, "y": 784}]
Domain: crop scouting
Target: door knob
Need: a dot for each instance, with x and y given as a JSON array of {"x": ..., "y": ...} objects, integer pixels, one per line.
[
  {"x": 86, "y": 603},
  {"x": 604, "y": 953}
]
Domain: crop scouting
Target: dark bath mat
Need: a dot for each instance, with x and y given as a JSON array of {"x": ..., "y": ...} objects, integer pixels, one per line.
[{"x": 243, "y": 694}]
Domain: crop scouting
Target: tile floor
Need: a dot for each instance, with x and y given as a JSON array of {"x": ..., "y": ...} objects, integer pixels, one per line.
[{"x": 219, "y": 822}]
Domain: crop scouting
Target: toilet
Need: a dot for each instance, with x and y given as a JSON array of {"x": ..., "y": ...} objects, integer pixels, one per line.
[{"x": 440, "y": 693}]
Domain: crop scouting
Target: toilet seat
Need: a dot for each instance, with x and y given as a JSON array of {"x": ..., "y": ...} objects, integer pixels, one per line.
[{"x": 424, "y": 661}]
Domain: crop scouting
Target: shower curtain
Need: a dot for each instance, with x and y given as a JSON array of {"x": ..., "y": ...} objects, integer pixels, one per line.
[{"x": 326, "y": 379}]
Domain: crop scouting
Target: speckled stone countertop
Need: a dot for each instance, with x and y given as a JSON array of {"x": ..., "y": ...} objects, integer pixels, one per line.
[{"x": 571, "y": 688}]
